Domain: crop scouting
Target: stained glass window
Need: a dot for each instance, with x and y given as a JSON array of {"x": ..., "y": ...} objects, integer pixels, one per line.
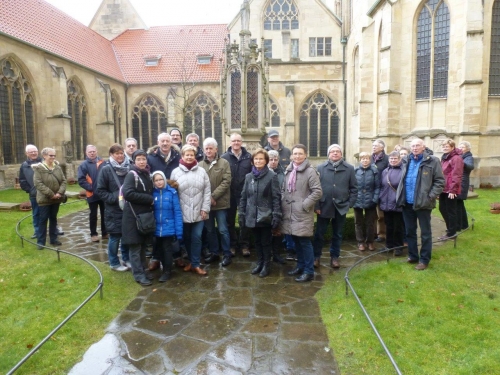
[
  {"x": 149, "y": 119},
  {"x": 494, "y": 88},
  {"x": 252, "y": 99},
  {"x": 203, "y": 118},
  {"x": 236, "y": 99},
  {"x": 77, "y": 110},
  {"x": 16, "y": 113},
  {"x": 281, "y": 15},
  {"x": 117, "y": 116},
  {"x": 319, "y": 124},
  {"x": 274, "y": 113}
]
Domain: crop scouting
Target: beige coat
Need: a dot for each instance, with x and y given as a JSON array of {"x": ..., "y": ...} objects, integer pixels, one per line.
[
  {"x": 48, "y": 182},
  {"x": 298, "y": 206}
]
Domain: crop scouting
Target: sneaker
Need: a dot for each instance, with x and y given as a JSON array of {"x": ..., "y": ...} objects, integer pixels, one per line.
[
  {"x": 33, "y": 236},
  {"x": 290, "y": 256},
  {"x": 94, "y": 238},
  {"x": 60, "y": 231},
  {"x": 56, "y": 243},
  {"x": 119, "y": 268},
  {"x": 128, "y": 265}
]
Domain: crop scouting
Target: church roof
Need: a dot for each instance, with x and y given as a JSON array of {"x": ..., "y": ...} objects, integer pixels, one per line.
[
  {"x": 44, "y": 26},
  {"x": 177, "y": 49}
]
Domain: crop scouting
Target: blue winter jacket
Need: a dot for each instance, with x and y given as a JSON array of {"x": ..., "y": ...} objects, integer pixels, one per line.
[{"x": 168, "y": 212}]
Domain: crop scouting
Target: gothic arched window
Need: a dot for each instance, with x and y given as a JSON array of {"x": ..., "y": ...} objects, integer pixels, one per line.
[
  {"x": 494, "y": 82},
  {"x": 433, "y": 41},
  {"x": 274, "y": 113},
  {"x": 117, "y": 116},
  {"x": 17, "y": 127},
  {"x": 203, "y": 118},
  {"x": 148, "y": 120},
  {"x": 77, "y": 110},
  {"x": 235, "y": 99},
  {"x": 281, "y": 15},
  {"x": 318, "y": 124}
]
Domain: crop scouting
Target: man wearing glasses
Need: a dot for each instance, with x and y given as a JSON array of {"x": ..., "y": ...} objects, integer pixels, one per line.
[{"x": 26, "y": 182}]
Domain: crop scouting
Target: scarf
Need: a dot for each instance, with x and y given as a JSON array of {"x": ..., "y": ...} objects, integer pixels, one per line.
[
  {"x": 256, "y": 173},
  {"x": 188, "y": 166},
  {"x": 120, "y": 169},
  {"x": 147, "y": 169},
  {"x": 378, "y": 157},
  {"x": 293, "y": 178},
  {"x": 335, "y": 163}
]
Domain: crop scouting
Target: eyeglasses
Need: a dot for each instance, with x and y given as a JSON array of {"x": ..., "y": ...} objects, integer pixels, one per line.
[
  {"x": 52, "y": 156},
  {"x": 32, "y": 152}
]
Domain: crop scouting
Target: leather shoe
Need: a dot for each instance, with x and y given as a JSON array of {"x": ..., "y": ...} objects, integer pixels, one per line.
[
  {"x": 278, "y": 259},
  {"x": 361, "y": 246},
  {"x": 304, "y": 277},
  {"x": 409, "y": 260},
  {"x": 295, "y": 271},
  {"x": 153, "y": 264},
  {"x": 379, "y": 239},
  {"x": 371, "y": 247},
  {"x": 421, "y": 266},
  {"x": 40, "y": 247},
  {"x": 334, "y": 263},
  {"x": 56, "y": 243},
  {"x": 144, "y": 282},
  {"x": 164, "y": 277},
  {"x": 398, "y": 252},
  {"x": 226, "y": 261},
  {"x": 212, "y": 258},
  {"x": 233, "y": 251},
  {"x": 199, "y": 271},
  {"x": 187, "y": 268},
  {"x": 179, "y": 262},
  {"x": 316, "y": 263},
  {"x": 246, "y": 252}
]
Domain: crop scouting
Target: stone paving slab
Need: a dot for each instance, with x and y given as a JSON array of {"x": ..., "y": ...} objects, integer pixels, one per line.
[{"x": 230, "y": 322}]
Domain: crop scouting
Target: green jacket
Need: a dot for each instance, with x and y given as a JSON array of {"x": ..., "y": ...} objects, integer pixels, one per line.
[
  {"x": 219, "y": 174},
  {"x": 48, "y": 183}
]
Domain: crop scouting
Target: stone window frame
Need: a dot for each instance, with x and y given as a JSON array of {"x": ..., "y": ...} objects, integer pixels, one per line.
[
  {"x": 320, "y": 46},
  {"x": 117, "y": 116},
  {"x": 268, "y": 48},
  {"x": 280, "y": 15},
  {"x": 149, "y": 118},
  {"x": 494, "y": 73},
  {"x": 78, "y": 113},
  {"x": 274, "y": 113},
  {"x": 207, "y": 125},
  {"x": 294, "y": 48}
]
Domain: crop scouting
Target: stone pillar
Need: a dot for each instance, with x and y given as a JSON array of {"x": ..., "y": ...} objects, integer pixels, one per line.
[{"x": 289, "y": 134}]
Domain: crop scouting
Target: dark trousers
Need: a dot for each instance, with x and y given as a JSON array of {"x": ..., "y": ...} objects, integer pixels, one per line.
[
  {"x": 410, "y": 217},
  {"x": 263, "y": 243},
  {"x": 364, "y": 224},
  {"x": 36, "y": 214},
  {"x": 463, "y": 222},
  {"x": 165, "y": 252},
  {"x": 305, "y": 254},
  {"x": 243, "y": 242},
  {"x": 93, "y": 206},
  {"x": 137, "y": 253},
  {"x": 319, "y": 236},
  {"x": 394, "y": 225},
  {"x": 47, "y": 213},
  {"x": 449, "y": 210}
]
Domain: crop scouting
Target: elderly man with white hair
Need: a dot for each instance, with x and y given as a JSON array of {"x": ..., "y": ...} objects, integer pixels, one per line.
[{"x": 340, "y": 190}]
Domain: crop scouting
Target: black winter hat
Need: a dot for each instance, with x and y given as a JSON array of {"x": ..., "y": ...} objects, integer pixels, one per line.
[{"x": 137, "y": 153}]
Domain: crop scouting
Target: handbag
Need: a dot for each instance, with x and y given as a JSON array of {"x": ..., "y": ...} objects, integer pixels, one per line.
[
  {"x": 146, "y": 223},
  {"x": 264, "y": 215}
]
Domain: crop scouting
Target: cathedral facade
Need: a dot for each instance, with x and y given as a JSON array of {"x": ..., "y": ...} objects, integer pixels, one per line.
[{"x": 338, "y": 72}]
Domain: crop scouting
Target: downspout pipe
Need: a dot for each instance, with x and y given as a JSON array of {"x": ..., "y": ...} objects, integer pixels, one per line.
[{"x": 344, "y": 44}]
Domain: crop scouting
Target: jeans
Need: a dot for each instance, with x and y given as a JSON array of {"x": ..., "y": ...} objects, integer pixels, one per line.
[
  {"x": 47, "y": 213},
  {"x": 36, "y": 214},
  {"x": 213, "y": 238},
  {"x": 337, "y": 230},
  {"x": 410, "y": 217},
  {"x": 463, "y": 222},
  {"x": 93, "y": 206},
  {"x": 289, "y": 244},
  {"x": 192, "y": 239},
  {"x": 449, "y": 211},
  {"x": 113, "y": 243},
  {"x": 367, "y": 221},
  {"x": 166, "y": 250},
  {"x": 263, "y": 243},
  {"x": 243, "y": 241},
  {"x": 305, "y": 254},
  {"x": 381, "y": 229},
  {"x": 138, "y": 260},
  {"x": 394, "y": 226}
]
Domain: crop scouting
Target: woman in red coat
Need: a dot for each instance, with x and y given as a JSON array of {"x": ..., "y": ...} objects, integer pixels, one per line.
[{"x": 453, "y": 168}]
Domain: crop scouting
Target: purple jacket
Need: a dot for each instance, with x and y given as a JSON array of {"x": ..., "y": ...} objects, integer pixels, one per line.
[{"x": 391, "y": 176}]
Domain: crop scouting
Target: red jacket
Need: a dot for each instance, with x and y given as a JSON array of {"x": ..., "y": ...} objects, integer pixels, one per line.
[{"x": 453, "y": 168}]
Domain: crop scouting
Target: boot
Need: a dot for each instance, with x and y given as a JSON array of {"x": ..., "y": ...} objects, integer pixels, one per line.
[
  {"x": 266, "y": 268},
  {"x": 277, "y": 244},
  {"x": 164, "y": 277},
  {"x": 260, "y": 264}
]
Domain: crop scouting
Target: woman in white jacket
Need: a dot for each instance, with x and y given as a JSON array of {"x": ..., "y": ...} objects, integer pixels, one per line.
[{"x": 194, "y": 196}]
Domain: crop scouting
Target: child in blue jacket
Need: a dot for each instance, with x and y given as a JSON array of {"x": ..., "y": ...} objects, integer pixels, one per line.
[{"x": 168, "y": 217}]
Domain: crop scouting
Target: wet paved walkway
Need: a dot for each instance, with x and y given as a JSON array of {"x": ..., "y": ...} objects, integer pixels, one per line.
[{"x": 230, "y": 322}]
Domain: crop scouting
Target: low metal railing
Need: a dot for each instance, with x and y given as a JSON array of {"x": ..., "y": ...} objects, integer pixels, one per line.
[
  {"x": 60, "y": 325},
  {"x": 365, "y": 312}
]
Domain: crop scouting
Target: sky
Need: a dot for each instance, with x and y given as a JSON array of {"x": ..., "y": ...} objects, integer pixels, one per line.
[{"x": 160, "y": 12}]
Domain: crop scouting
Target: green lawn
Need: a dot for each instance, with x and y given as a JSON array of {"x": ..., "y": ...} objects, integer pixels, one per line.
[
  {"x": 444, "y": 320},
  {"x": 38, "y": 292}
]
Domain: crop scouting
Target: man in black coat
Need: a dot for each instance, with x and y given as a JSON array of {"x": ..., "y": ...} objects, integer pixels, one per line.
[
  {"x": 240, "y": 161},
  {"x": 381, "y": 161},
  {"x": 273, "y": 143},
  {"x": 165, "y": 156},
  {"x": 193, "y": 139},
  {"x": 26, "y": 182},
  {"x": 340, "y": 190}
]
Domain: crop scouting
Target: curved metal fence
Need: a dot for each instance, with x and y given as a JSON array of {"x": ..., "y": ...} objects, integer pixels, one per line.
[
  {"x": 365, "y": 312},
  {"x": 61, "y": 324}
]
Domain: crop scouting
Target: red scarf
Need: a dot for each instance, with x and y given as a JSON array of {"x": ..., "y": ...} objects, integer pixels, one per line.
[{"x": 188, "y": 166}]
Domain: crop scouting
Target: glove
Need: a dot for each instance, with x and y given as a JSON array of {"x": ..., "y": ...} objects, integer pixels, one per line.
[
  {"x": 241, "y": 221},
  {"x": 275, "y": 223}
]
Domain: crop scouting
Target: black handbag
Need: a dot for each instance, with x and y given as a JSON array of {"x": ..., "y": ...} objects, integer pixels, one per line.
[
  {"x": 264, "y": 215},
  {"x": 146, "y": 223}
]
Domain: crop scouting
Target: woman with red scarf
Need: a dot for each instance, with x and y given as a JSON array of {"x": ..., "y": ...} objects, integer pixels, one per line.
[{"x": 453, "y": 168}]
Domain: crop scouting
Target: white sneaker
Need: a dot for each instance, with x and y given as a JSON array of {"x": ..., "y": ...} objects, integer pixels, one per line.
[
  {"x": 119, "y": 268},
  {"x": 128, "y": 264}
]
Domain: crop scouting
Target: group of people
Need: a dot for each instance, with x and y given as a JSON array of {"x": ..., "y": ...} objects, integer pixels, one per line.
[{"x": 198, "y": 195}]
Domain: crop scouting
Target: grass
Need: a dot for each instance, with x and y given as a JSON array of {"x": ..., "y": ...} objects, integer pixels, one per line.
[
  {"x": 38, "y": 292},
  {"x": 444, "y": 320}
]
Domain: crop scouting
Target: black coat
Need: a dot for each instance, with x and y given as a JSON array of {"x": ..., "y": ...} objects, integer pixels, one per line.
[
  {"x": 26, "y": 177},
  {"x": 382, "y": 163},
  {"x": 239, "y": 169},
  {"x": 157, "y": 163},
  {"x": 368, "y": 181},
  {"x": 260, "y": 194},
  {"x": 339, "y": 186},
  {"x": 108, "y": 190},
  {"x": 468, "y": 167},
  {"x": 141, "y": 199}
]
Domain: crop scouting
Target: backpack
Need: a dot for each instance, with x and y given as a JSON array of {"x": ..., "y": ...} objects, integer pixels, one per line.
[{"x": 121, "y": 198}]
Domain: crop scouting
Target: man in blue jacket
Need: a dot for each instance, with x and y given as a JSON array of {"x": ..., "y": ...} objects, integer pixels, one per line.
[
  {"x": 26, "y": 182},
  {"x": 87, "y": 179},
  {"x": 421, "y": 183}
]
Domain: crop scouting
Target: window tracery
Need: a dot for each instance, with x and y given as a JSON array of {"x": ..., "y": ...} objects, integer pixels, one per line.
[
  {"x": 281, "y": 15},
  {"x": 274, "y": 113},
  {"x": 203, "y": 117},
  {"x": 77, "y": 110},
  {"x": 149, "y": 119}
]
